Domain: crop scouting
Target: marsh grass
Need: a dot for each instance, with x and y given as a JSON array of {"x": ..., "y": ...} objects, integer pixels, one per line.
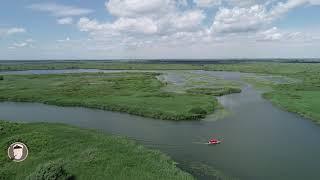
[
  {"x": 97, "y": 65},
  {"x": 303, "y": 101},
  {"x": 57, "y": 150},
  {"x": 135, "y": 93}
]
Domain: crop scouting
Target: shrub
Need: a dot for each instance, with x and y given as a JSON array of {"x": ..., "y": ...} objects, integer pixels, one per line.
[
  {"x": 50, "y": 171},
  {"x": 1, "y": 78},
  {"x": 198, "y": 110}
]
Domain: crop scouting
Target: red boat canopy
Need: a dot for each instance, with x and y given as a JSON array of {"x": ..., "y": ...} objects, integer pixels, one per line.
[{"x": 213, "y": 140}]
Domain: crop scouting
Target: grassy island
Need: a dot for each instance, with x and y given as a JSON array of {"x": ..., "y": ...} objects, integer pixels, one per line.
[{"x": 135, "y": 93}]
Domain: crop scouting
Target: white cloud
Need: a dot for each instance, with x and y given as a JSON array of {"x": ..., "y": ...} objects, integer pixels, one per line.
[
  {"x": 23, "y": 44},
  {"x": 190, "y": 19},
  {"x": 235, "y": 3},
  {"x": 142, "y": 25},
  {"x": 314, "y": 2},
  {"x": 132, "y": 8},
  {"x": 284, "y": 7},
  {"x": 207, "y": 3},
  {"x": 67, "y": 20},
  {"x": 85, "y": 24},
  {"x": 288, "y": 3},
  {"x": 244, "y": 3},
  {"x": 182, "y": 3},
  {"x": 253, "y": 18},
  {"x": 272, "y": 34},
  {"x": 239, "y": 20},
  {"x": 60, "y": 10},
  {"x": 11, "y": 31},
  {"x": 143, "y": 29},
  {"x": 181, "y": 21},
  {"x": 30, "y": 40},
  {"x": 15, "y": 30},
  {"x": 141, "y": 17},
  {"x": 64, "y": 40}
]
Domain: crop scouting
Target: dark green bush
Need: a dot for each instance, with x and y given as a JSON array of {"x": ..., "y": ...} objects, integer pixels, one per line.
[
  {"x": 1, "y": 78},
  {"x": 220, "y": 91},
  {"x": 50, "y": 171},
  {"x": 198, "y": 110}
]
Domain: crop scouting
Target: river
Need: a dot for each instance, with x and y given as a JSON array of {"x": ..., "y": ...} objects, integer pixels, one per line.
[{"x": 260, "y": 141}]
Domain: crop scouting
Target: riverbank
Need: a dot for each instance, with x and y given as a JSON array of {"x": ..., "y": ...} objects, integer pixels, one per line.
[
  {"x": 301, "y": 97},
  {"x": 83, "y": 154},
  {"x": 134, "y": 93}
]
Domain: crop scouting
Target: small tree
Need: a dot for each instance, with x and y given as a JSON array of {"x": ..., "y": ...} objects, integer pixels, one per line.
[
  {"x": 1, "y": 78},
  {"x": 50, "y": 171}
]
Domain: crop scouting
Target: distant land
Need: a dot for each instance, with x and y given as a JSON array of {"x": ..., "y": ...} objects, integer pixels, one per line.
[{"x": 170, "y": 61}]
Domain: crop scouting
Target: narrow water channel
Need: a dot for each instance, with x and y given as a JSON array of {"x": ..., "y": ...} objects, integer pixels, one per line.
[{"x": 260, "y": 141}]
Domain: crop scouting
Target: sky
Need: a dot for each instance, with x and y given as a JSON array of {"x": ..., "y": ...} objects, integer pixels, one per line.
[{"x": 159, "y": 29}]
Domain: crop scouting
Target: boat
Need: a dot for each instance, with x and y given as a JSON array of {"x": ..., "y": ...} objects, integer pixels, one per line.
[{"x": 213, "y": 141}]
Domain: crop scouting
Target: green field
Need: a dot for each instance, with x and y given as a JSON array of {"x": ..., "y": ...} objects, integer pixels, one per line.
[
  {"x": 97, "y": 65},
  {"x": 135, "y": 93},
  {"x": 301, "y": 92},
  {"x": 57, "y": 150}
]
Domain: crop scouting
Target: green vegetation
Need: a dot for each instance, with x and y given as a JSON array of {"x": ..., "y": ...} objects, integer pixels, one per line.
[
  {"x": 304, "y": 102},
  {"x": 50, "y": 170},
  {"x": 266, "y": 82},
  {"x": 96, "y": 65},
  {"x": 196, "y": 83},
  {"x": 214, "y": 91},
  {"x": 301, "y": 96},
  {"x": 135, "y": 93},
  {"x": 267, "y": 68},
  {"x": 260, "y": 84},
  {"x": 297, "y": 91},
  {"x": 1, "y": 78},
  {"x": 64, "y": 152}
]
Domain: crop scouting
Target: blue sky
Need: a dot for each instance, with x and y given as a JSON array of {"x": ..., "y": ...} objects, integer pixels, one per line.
[{"x": 130, "y": 29}]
